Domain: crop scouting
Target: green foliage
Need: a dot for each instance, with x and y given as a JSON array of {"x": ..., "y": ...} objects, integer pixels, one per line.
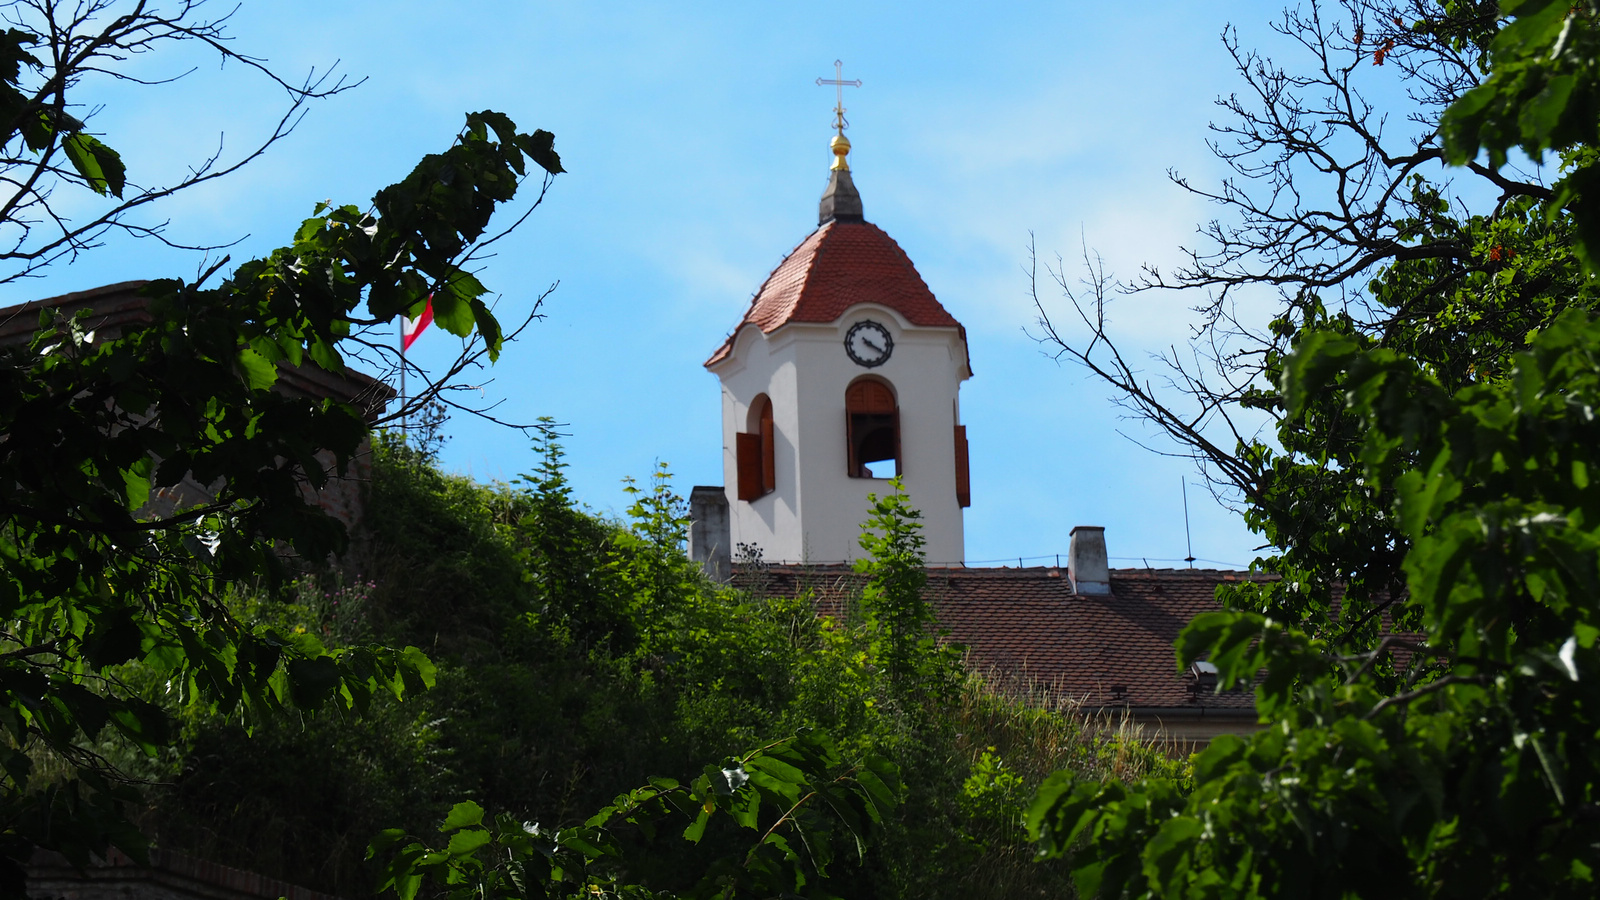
[
  {"x": 92, "y": 577},
  {"x": 1542, "y": 93},
  {"x": 892, "y": 601},
  {"x": 562, "y": 544},
  {"x": 799, "y": 797},
  {"x": 572, "y": 665},
  {"x": 993, "y": 793},
  {"x": 1423, "y": 668},
  {"x": 43, "y": 126},
  {"x": 1477, "y": 776}
]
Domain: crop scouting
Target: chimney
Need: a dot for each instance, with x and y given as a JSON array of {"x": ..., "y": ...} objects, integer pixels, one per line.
[
  {"x": 710, "y": 532},
  {"x": 1086, "y": 561}
]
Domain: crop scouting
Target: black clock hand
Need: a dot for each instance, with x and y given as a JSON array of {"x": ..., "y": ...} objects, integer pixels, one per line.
[{"x": 868, "y": 341}]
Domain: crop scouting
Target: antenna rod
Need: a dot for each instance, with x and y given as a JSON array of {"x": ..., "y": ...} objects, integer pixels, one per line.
[{"x": 1187, "y": 540}]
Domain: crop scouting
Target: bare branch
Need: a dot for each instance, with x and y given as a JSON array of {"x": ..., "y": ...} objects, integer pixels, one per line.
[{"x": 96, "y": 39}]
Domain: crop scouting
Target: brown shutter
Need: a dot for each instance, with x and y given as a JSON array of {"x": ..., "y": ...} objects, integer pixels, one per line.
[
  {"x": 963, "y": 478},
  {"x": 869, "y": 396},
  {"x": 850, "y": 442},
  {"x": 747, "y": 454},
  {"x": 769, "y": 453}
]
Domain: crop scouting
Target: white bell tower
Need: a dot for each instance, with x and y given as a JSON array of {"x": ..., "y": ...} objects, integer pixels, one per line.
[{"x": 844, "y": 372}]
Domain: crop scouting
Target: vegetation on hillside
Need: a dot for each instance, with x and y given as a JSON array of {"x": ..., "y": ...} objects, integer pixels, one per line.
[{"x": 578, "y": 658}]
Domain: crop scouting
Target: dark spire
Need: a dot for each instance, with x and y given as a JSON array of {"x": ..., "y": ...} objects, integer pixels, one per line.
[{"x": 840, "y": 202}]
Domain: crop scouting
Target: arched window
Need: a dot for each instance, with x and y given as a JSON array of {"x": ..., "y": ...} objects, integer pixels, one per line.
[
  {"x": 872, "y": 428},
  {"x": 756, "y": 452}
]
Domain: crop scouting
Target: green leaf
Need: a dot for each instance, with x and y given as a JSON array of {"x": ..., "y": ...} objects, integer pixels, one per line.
[
  {"x": 778, "y": 769},
  {"x": 259, "y": 374},
  {"x": 136, "y": 482},
  {"x": 540, "y": 147},
  {"x": 100, "y": 166},
  {"x": 418, "y": 670},
  {"x": 312, "y": 681},
  {"x": 467, "y": 842},
  {"x": 453, "y": 313},
  {"x": 143, "y": 723},
  {"x": 463, "y": 815},
  {"x": 1542, "y": 114},
  {"x": 116, "y": 638},
  {"x": 1166, "y": 855},
  {"x": 697, "y": 828}
]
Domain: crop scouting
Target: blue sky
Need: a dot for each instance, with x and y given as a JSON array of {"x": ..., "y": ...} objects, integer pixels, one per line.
[{"x": 696, "y": 141}]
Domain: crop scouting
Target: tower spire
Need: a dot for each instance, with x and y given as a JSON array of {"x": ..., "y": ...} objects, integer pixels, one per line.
[
  {"x": 840, "y": 201},
  {"x": 840, "y": 145}
]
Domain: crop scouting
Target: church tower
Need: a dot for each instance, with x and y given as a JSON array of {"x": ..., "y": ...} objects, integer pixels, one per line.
[{"x": 844, "y": 372}]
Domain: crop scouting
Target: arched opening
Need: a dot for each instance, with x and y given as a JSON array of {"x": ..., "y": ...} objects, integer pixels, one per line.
[
  {"x": 757, "y": 452},
  {"x": 872, "y": 428}
]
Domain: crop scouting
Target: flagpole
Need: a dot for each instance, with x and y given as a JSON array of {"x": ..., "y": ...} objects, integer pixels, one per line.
[
  {"x": 400, "y": 332},
  {"x": 417, "y": 326}
]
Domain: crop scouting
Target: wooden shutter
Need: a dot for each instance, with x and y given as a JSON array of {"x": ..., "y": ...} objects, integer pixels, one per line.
[
  {"x": 747, "y": 456},
  {"x": 869, "y": 396},
  {"x": 963, "y": 477},
  {"x": 769, "y": 452},
  {"x": 850, "y": 441}
]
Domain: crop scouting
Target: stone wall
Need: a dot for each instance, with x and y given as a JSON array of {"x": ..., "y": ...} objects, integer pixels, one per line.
[{"x": 169, "y": 876}]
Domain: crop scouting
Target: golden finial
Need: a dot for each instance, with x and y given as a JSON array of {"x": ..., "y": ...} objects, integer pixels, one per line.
[{"x": 840, "y": 145}]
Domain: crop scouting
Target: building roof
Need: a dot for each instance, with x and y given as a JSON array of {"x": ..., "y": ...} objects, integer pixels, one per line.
[
  {"x": 116, "y": 308},
  {"x": 1028, "y": 626},
  {"x": 839, "y": 265}
]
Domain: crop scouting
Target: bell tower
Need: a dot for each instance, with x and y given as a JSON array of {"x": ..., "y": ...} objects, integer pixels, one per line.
[{"x": 844, "y": 372}]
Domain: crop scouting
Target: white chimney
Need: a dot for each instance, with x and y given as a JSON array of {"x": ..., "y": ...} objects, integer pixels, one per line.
[{"x": 1087, "y": 564}]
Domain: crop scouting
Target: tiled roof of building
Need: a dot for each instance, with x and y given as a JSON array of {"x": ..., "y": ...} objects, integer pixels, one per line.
[
  {"x": 114, "y": 309},
  {"x": 1028, "y": 625},
  {"x": 838, "y": 266}
]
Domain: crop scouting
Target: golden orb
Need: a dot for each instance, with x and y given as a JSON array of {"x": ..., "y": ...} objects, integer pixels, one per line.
[{"x": 840, "y": 145}]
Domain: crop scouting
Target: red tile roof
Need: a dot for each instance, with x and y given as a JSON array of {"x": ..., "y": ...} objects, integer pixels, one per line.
[
  {"x": 1027, "y": 625},
  {"x": 837, "y": 266}
]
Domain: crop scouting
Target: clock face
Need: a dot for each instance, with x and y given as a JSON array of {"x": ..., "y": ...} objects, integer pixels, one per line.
[{"x": 868, "y": 343}]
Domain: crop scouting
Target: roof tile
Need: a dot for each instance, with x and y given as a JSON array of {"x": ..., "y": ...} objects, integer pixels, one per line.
[
  {"x": 838, "y": 266},
  {"x": 1027, "y": 625}
]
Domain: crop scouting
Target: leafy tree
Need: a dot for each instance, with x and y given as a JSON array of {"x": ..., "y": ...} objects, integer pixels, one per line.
[
  {"x": 562, "y": 545},
  {"x": 1454, "y": 759},
  {"x": 1348, "y": 210},
  {"x": 93, "y": 579},
  {"x": 903, "y": 622},
  {"x": 1476, "y": 775}
]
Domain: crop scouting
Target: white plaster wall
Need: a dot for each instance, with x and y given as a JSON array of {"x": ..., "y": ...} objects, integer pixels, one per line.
[
  {"x": 761, "y": 365},
  {"x": 816, "y": 511}
]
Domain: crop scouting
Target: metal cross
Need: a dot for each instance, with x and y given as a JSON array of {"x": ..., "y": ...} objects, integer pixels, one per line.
[{"x": 839, "y": 85}]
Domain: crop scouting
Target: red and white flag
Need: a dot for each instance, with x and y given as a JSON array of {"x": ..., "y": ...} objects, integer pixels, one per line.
[{"x": 412, "y": 328}]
